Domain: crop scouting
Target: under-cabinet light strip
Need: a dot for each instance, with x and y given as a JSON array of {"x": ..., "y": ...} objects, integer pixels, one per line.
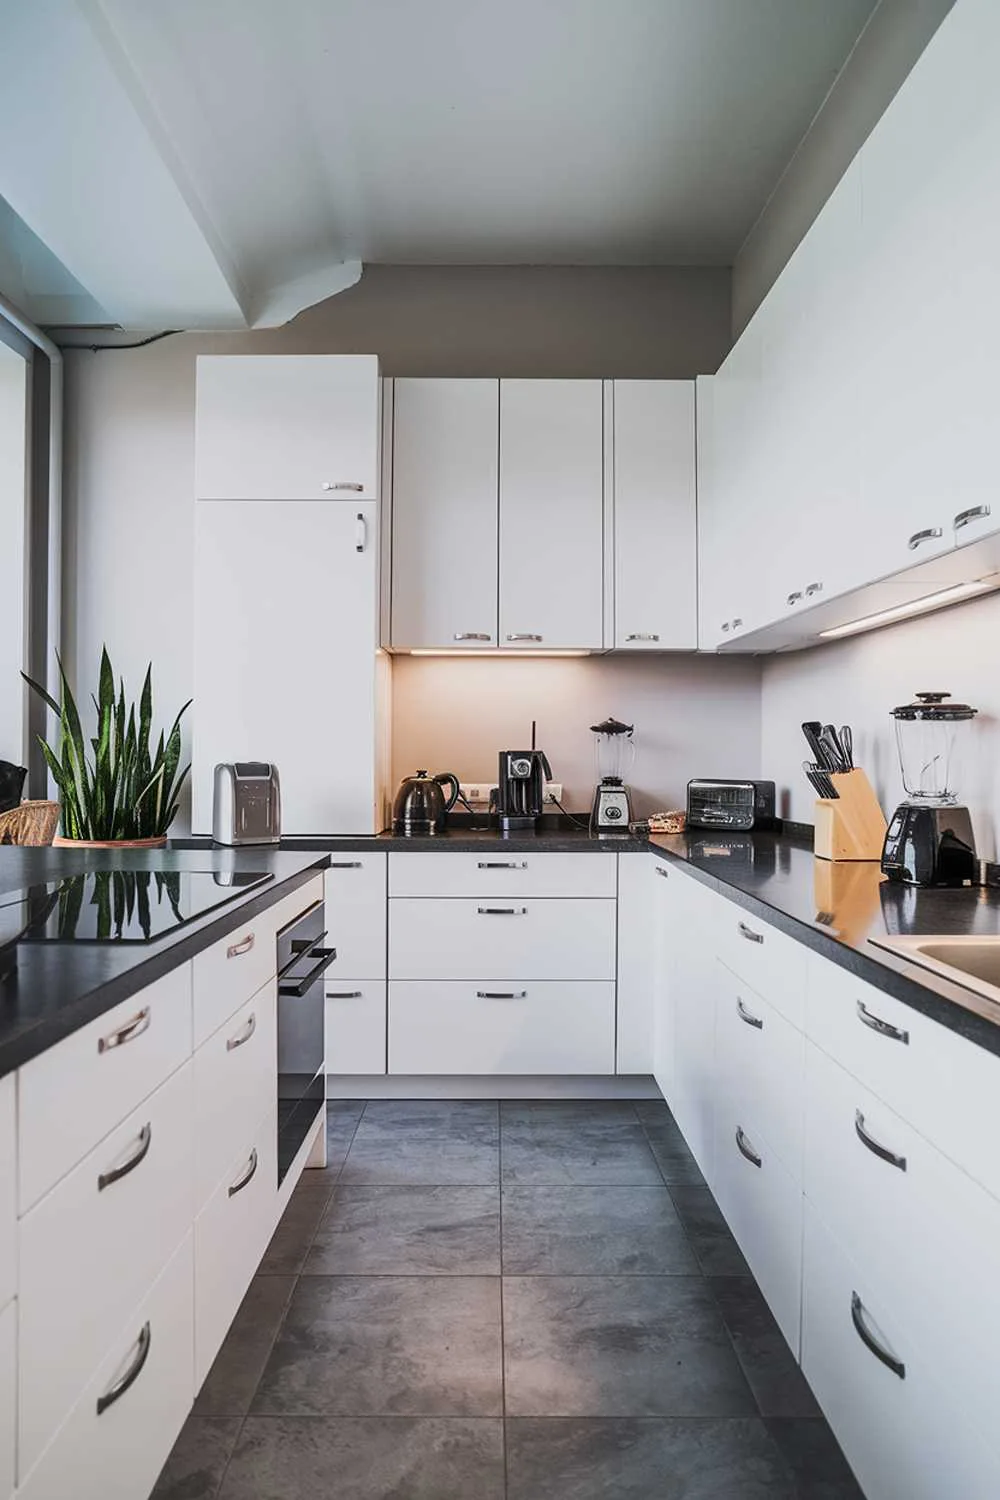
[{"x": 912, "y": 607}]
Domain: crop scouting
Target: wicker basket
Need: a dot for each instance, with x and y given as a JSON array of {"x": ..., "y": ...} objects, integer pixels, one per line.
[{"x": 31, "y": 823}]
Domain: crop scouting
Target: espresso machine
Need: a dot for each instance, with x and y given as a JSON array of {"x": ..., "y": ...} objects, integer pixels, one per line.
[
  {"x": 614, "y": 750},
  {"x": 930, "y": 841},
  {"x": 520, "y": 795}
]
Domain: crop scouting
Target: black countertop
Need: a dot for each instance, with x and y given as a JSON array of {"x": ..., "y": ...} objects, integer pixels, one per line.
[
  {"x": 59, "y": 987},
  {"x": 469, "y": 835}
]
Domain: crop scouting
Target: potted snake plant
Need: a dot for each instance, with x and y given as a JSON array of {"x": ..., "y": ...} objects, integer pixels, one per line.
[{"x": 126, "y": 793}]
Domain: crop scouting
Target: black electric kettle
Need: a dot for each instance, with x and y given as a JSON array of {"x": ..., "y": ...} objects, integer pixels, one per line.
[
  {"x": 11, "y": 784},
  {"x": 420, "y": 805}
]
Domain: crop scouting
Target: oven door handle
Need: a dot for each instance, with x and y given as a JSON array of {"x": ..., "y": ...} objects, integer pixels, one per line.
[{"x": 326, "y": 957}]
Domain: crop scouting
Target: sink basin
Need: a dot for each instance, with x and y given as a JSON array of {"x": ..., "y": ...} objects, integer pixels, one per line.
[{"x": 972, "y": 961}]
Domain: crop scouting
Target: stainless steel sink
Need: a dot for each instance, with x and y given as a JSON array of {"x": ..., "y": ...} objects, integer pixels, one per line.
[{"x": 972, "y": 961}]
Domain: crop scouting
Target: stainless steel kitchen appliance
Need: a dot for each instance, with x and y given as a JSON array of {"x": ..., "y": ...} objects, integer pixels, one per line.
[
  {"x": 740, "y": 805},
  {"x": 246, "y": 808},
  {"x": 614, "y": 752},
  {"x": 303, "y": 959},
  {"x": 420, "y": 805},
  {"x": 930, "y": 841}
]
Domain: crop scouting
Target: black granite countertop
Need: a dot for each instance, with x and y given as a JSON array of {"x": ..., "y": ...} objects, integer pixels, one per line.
[
  {"x": 59, "y": 987},
  {"x": 470, "y": 834}
]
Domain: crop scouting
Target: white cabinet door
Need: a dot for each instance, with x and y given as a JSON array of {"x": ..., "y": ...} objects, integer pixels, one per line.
[
  {"x": 8, "y": 1400},
  {"x": 445, "y": 461},
  {"x": 663, "y": 983},
  {"x": 551, "y": 514},
  {"x": 356, "y": 1026},
  {"x": 287, "y": 427},
  {"x": 356, "y": 917},
  {"x": 8, "y": 1192},
  {"x": 636, "y": 964},
  {"x": 285, "y": 641},
  {"x": 691, "y": 977},
  {"x": 654, "y": 507}
]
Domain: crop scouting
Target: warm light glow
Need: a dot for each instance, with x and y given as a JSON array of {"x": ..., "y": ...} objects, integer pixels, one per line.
[
  {"x": 494, "y": 652},
  {"x": 912, "y": 607}
]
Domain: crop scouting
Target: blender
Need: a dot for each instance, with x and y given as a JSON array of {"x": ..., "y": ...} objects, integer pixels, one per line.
[
  {"x": 614, "y": 750},
  {"x": 929, "y": 840}
]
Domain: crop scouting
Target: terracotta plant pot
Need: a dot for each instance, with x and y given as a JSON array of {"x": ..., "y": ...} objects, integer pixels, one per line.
[{"x": 158, "y": 843}]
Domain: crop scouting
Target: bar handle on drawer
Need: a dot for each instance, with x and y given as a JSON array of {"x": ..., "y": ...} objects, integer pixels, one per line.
[
  {"x": 501, "y": 994},
  {"x": 326, "y": 957},
  {"x": 129, "y": 1376},
  {"x": 502, "y": 911},
  {"x": 345, "y": 994},
  {"x": 643, "y": 636},
  {"x": 242, "y": 1037},
  {"x": 345, "y": 864},
  {"x": 882, "y": 1027},
  {"x": 746, "y": 1149},
  {"x": 248, "y": 1175},
  {"x": 115, "y": 1174},
  {"x": 660, "y": 870},
  {"x": 975, "y": 513},
  {"x": 127, "y": 1033},
  {"x": 502, "y": 864},
  {"x": 236, "y": 950},
  {"x": 748, "y": 1015},
  {"x": 874, "y": 1146},
  {"x": 749, "y": 934},
  {"x": 871, "y": 1342},
  {"x": 929, "y": 534}
]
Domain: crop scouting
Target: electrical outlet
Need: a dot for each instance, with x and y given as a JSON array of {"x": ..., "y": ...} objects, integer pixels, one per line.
[
  {"x": 553, "y": 791},
  {"x": 476, "y": 791}
]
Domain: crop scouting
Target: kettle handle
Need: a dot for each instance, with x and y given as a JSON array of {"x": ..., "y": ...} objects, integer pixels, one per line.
[{"x": 448, "y": 778}]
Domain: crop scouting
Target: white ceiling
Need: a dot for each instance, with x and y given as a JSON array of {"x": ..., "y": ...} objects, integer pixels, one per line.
[{"x": 302, "y": 134}]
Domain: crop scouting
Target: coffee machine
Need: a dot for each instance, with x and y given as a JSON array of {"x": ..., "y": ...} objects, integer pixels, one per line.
[
  {"x": 521, "y": 789},
  {"x": 930, "y": 841}
]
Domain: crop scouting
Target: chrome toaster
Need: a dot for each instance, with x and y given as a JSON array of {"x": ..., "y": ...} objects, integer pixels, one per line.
[
  {"x": 738, "y": 805},
  {"x": 246, "y": 806}
]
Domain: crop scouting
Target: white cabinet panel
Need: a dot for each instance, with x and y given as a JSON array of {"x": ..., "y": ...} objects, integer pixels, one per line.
[
  {"x": 445, "y": 498},
  {"x": 551, "y": 513},
  {"x": 654, "y": 510},
  {"x": 761, "y": 1061},
  {"x": 636, "y": 964},
  {"x": 234, "y": 1073},
  {"x": 691, "y": 980},
  {"x": 768, "y": 960},
  {"x": 355, "y": 887},
  {"x": 501, "y": 939},
  {"x": 287, "y": 427},
  {"x": 8, "y": 1193},
  {"x": 285, "y": 641},
  {"x": 356, "y": 1026},
  {"x": 493, "y": 872},
  {"x": 663, "y": 985},
  {"x": 8, "y": 1400}
]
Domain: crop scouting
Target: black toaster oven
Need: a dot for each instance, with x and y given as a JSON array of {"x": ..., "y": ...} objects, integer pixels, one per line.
[{"x": 740, "y": 805}]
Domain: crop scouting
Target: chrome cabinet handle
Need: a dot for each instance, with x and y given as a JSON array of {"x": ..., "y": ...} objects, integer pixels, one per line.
[
  {"x": 346, "y": 864},
  {"x": 118, "y": 1387},
  {"x": 794, "y": 598},
  {"x": 813, "y": 588},
  {"x": 360, "y": 532},
  {"x": 501, "y": 994},
  {"x": 502, "y": 864},
  {"x": 325, "y": 957},
  {"x": 642, "y": 637},
  {"x": 523, "y": 635},
  {"x": 662, "y": 871},
  {"x": 127, "y": 1033},
  {"x": 115, "y": 1174},
  {"x": 874, "y": 1146},
  {"x": 242, "y": 1037},
  {"x": 975, "y": 513},
  {"x": 248, "y": 1175},
  {"x": 748, "y": 1016},
  {"x": 725, "y": 625},
  {"x": 345, "y": 994},
  {"x": 749, "y": 934},
  {"x": 871, "y": 1342},
  {"x": 472, "y": 635},
  {"x": 345, "y": 486},
  {"x": 502, "y": 911},
  {"x": 929, "y": 534},
  {"x": 737, "y": 623},
  {"x": 746, "y": 1149},
  {"x": 883, "y": 1028},
  {"x": 236, "y": 950}
]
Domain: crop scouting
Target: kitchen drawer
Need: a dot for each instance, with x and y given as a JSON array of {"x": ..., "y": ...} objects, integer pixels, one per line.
[
  {"x": 117, "y": 1452},
  {"x": 97, "y": 1077},
  {"x": 227, "y": 974},
  {"x": 230, "y": 1236},
  {"x": 922, "y": 1230},
  {"x": 492, "y": 1027},
  {"x": 762, "y": 1204},
  {"x": 89, "y": 1254},
  {"x": 8, "y": 1193},
  {"x": 945, "y": 1086},
  {"x": 356, "y": 1026},
  {"x": 502, "y": 938},
  {"x": 770, "y": 962},
  {"x": 761, "y": 1060},
  {"x": 8, "y": 1400},
  {"x": 903, "y": 1437},
  {"x": 495, "y": 872},
  {"x": 356, "y": 914},
  {"x": 234, "y": 1082}
]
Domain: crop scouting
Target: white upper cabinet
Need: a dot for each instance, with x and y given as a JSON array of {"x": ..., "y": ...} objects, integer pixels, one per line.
[
  {"x": 444, "y": 513},
  {"x": 287, "y": 427},
  {"x": 654, "y": 508},
  {"x": 551, "y": 514}
]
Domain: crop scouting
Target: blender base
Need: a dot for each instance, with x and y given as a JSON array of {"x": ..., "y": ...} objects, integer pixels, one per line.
[{"x": 931, "y": 846}]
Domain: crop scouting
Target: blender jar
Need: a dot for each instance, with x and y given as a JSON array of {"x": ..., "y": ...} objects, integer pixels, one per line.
[{"x": 930, "y": 735}]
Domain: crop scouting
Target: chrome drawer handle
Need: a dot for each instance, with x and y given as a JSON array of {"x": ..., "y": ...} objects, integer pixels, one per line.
[
  {"x": 874, "y": 1146},
  {"x": 501, "y": 994},
  {"x": 127, "y": 1033},
  {"x": 118, "y": 1388},
  {"x": 242, "y": 1037},
  {"x": 502, "y": 864},
  {"x": 236, "y": 950},
  {"x": 725, "y": 625},
  {"x": 746, "y": 1149},
  {"x": 794, "y": 598},
  {"x": 360, "y": 532},
  {"x": 642, "y": 636},
  {"x": 502, "y": 911},
  {"x": 737, "y": 623},
  {"x": 882, "y": 1027},
  {"x": 813, "y": 588},
  {"x": 929, "y": 534},
  {"x": 661, "y": 871},
  {"x": 346, "y": 486},
  {"x": 346, "y": 864},
  {"x": 748, "y": 1015},
  {"x": 523, "y": 635},
  {"x": 472, "y": 635},
  {"x": 247, "y": 1178},
  {"x": 749, "y": 934},
  {"x": 975, "y": 513},
  {"x": 115, "y": 1174},
  {"x": 871, "y": 1342}
]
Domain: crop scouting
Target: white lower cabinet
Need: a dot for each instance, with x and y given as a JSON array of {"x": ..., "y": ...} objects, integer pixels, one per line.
[
  {"x": 356, "y": 1026},
  {"x": 116, "y": 1439},
  {"x": 8, "y": 1400},
  {"x": 503, "y": 938},
  {"x": 234, "y": 1073},
  {"x": 761, "y": 1060},
  {"x": 494, "y": 1026}
]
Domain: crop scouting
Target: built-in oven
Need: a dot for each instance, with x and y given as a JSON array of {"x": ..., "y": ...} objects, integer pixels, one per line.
[{"x": 303, "y": 959}]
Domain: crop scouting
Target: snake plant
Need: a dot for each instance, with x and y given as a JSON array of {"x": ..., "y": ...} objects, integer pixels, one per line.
[{"x": 125, "y": 790}]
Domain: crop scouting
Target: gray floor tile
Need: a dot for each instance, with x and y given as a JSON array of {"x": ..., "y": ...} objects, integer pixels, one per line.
[
  {"x": 239, "y": 1364},
  {"x": 775, "y": 1378},
  {"x": 618, "y": 1346},
  {"x": 652, "y": 1111},
  {"x": 593, "y": 1231},
  {"x": 814, "y": 1456},
  {"x": 433, "y": 1114},
  {"x": 286, "y": 1254},
  {"x": 717, "y": 1252},
  {"x": 409, "y": 1231},
  {"x": 425, "y": 1142},
  {"x": 729, "y": 1459},
  {"x": 387, "y": 1346},
  {"x": 673, "y": 1155},
  {"x": 566, "y": 1111},
  {"x": 591, "y": 1149},
  {"x": 195, "y": 1468},
  {"x": 394, "y": 1458}
]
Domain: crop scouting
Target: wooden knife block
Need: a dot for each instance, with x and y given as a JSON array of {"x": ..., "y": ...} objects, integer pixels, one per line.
[{"x": 850, "y": 825}]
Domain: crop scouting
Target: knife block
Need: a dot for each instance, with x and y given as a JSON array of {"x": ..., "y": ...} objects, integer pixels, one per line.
[{"x": 851, "y": 825}]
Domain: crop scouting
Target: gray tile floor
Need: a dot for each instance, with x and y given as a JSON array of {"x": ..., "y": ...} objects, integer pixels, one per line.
[{"x": 516, "y": 1301}]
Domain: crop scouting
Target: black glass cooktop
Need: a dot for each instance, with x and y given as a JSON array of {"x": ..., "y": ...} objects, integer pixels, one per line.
[{"x": 119, "y": 906}]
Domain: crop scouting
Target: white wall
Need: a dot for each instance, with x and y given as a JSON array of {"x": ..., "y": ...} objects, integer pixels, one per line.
[
  {"x": 860, "y": 680},
  {"x": 13, "y": 440}
]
